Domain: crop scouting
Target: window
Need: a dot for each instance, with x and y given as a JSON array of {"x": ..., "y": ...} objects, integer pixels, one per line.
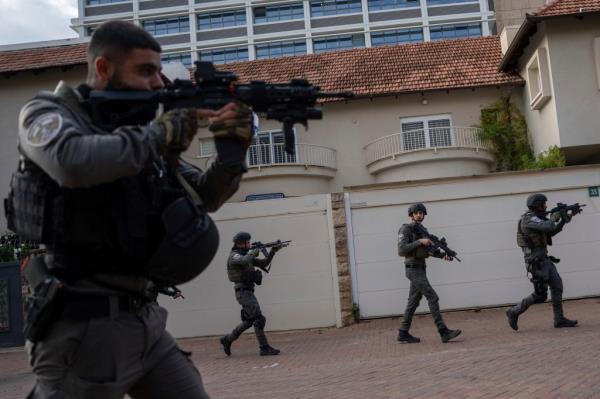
[
  {"x": 334, "y": 7},
  {"x": 96, "y": 2},
  {"x": 443, "y": 2},
  {"x": 268, "y": 148},
  {"x": 159, "y": 27},
  {"x": 280, "y": 49},
  {"x": 455, "y": 31},
  {"x": 184, "y": 58},
  {"x": 278, "y": 13},
  {"x": 221, "y": 19},
  {"x": 396, "y": 36},
  {"x": 339, "y": 43},
  {"x": 538, "y": 79},
  {"x": 426, "y": 132},
  {"x": 207, "y": 147},
  {"x": 376, "y": 5},
  {"x": 225, "y": 56}
]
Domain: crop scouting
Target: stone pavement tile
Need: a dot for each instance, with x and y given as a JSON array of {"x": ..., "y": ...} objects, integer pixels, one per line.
[{"x": 489, "y": 360}]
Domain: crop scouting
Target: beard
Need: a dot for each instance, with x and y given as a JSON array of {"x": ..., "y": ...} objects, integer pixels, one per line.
[{"x": 117, "y": 83}]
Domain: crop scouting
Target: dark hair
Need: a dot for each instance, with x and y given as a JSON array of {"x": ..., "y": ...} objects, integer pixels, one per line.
[{"x": 114, "y": 39}]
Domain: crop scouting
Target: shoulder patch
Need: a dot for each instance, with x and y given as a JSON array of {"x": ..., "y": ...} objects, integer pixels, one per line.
[
  {"x": 44, "y": 128},
  {"x": 236, "y": 257},
  {"x": 536, "y": 219}
]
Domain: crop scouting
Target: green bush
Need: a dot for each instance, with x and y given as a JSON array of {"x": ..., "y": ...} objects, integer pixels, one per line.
[
  {"x": 13, "y": 248},
  {"x": 553, "y": 158},
  {"x": 505, "y": 128}
]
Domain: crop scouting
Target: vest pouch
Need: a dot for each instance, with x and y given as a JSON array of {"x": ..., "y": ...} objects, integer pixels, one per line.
[
  {"x": 26, "y": 206},
  {"x": 190, "y": 243}
]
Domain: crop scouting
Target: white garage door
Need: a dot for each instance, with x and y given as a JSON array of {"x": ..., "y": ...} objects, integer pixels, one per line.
[{"x": 478, "y": 217}]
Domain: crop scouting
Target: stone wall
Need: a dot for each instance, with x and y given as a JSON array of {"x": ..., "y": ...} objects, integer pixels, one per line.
[
  {"x": 341, "y": 254},
  {"x": 512, "y": 12}
]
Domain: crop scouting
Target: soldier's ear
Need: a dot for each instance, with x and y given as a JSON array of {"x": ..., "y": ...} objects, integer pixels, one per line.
[{"x": 105, "y": 70}]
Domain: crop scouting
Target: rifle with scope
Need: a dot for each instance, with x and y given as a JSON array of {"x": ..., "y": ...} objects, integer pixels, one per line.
[{"x": 289, "y": 103}]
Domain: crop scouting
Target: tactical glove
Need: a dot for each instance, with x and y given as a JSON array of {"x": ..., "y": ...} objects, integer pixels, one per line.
[
  {"x": 241, "y": 130},
  {"x": 180, "y": 125}
]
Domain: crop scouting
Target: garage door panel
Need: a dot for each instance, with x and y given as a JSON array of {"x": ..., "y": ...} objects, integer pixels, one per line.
[
  {"x": 482, "y": 230},
  {"x": 381, "y": 276}
]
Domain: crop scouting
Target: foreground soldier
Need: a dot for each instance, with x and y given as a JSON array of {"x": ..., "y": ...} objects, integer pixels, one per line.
[
  {"x": 413, "y": 245},
  {"x": 107, "y": 198},
  {"x": 241, "y": 271},
  {"x": 534, "y": 234}
]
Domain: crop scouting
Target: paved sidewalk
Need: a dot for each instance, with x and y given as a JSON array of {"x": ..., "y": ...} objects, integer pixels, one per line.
[{"x": 488, "y": 360}]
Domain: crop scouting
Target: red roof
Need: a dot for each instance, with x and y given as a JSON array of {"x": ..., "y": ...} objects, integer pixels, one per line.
[
  {"x": 43, "y": 57},
  {"x": 566, "y": 7},
  {"x": 449, "y": 64}
]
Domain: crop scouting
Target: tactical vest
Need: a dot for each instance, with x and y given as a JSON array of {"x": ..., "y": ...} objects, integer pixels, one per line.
[
  {"x": 235, "y": 267},
  {"x": 142, "y": 225},
  {"x": 532, "y": 239},
  {"x": 421, "y": 252}
]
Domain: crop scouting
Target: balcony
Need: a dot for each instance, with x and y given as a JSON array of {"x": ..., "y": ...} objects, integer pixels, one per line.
[{"x": 428, "y": 153}]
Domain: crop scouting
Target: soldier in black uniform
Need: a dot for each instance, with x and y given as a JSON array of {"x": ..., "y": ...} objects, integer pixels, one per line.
[
  {"x": 120, "y": 216},
  {"x": 413, "y": 245},
  {"x": 241, "y": 270},
  {"x": 534, "y": 233}
]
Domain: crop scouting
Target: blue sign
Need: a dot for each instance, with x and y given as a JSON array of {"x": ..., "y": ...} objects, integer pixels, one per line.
[{"x": 258, "y": 197}]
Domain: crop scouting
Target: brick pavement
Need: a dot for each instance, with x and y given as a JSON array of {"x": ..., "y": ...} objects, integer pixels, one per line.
[{"x": 364, "y": 361}]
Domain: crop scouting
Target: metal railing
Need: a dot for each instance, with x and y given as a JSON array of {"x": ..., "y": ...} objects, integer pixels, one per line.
[
  {"x": 421, "y": 139},
  {"x": 306, "y": 154}
]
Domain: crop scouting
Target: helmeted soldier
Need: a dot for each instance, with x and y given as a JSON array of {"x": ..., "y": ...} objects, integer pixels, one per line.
[
  {"x": 534, "y": 233},
  {"x": 113, "y": 210},
  {"x": 241, "y": 270},
  {"x": 413, "y": 245}
]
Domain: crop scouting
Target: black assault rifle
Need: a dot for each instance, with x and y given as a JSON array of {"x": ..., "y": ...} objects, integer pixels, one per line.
[
  {"x": 439, "y": 243},
  {"x": 289, "y": 103},
  {"x": 563, "y": 209},
  {"x": 263, "y": 247}
]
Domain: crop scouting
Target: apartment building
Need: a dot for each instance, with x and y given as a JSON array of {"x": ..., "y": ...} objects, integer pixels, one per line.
[{"x": 226, "y": 31}]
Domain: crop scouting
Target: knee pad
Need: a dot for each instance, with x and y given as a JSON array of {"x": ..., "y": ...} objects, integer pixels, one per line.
[{"x": 260, "y": 322}]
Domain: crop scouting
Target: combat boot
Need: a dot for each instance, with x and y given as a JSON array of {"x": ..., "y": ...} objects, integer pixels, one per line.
[
  {"x": 406, "y": 338},
  {"x": 226, "y": 342},
  {"x": 268, "y": 350},
  {"x": 447, "y": 334},
  {"x": 513, "y": 318},
  {"x": 564, "y": 322}
]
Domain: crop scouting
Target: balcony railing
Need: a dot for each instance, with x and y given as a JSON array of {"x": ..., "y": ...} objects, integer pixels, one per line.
[
  {"x": 306, "y": 154},
  {"x": 422, "y": 139}
]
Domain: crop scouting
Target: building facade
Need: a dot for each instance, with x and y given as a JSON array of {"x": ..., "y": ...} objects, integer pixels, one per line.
[{"x": 229, "y": 31}]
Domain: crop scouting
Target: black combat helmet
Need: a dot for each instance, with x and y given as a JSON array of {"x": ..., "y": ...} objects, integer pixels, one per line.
[
  {"x": 417, "y": 207},
  {"x": 190, "y": 242},
  {"x": 535, "y": 200},
  {"x": 242, "y": 236}
]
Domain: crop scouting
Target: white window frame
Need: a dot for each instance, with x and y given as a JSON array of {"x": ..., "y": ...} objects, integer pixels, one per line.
[
  {"x": 425, "y": 120},
  {"x": 272, "y": 155},
  {"x": 206, "y": 147},
  {"x": 538, "y": 79}
]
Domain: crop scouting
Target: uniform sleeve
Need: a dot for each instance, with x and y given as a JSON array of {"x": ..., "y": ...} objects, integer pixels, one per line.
[
  {"x": 535, "y": 223},
  {"x": 264, "y": 263},
  {"x": 73, "y": 155},
  {"x": 405, "y": 246},
  {"x": 215, "y": 186}
]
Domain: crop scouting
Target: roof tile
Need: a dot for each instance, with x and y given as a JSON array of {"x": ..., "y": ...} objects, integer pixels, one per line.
[
  {"x": 566, "y": 7},
  {"x": 449, "y": 64}
]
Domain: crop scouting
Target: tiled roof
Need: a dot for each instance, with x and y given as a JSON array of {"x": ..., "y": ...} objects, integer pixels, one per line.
[
  {"x": 450, "y": 64},
  {"x": 567, "y": 7},
  {"x": 556, "y": 8},
  {"x": 42, "y": 57}
]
